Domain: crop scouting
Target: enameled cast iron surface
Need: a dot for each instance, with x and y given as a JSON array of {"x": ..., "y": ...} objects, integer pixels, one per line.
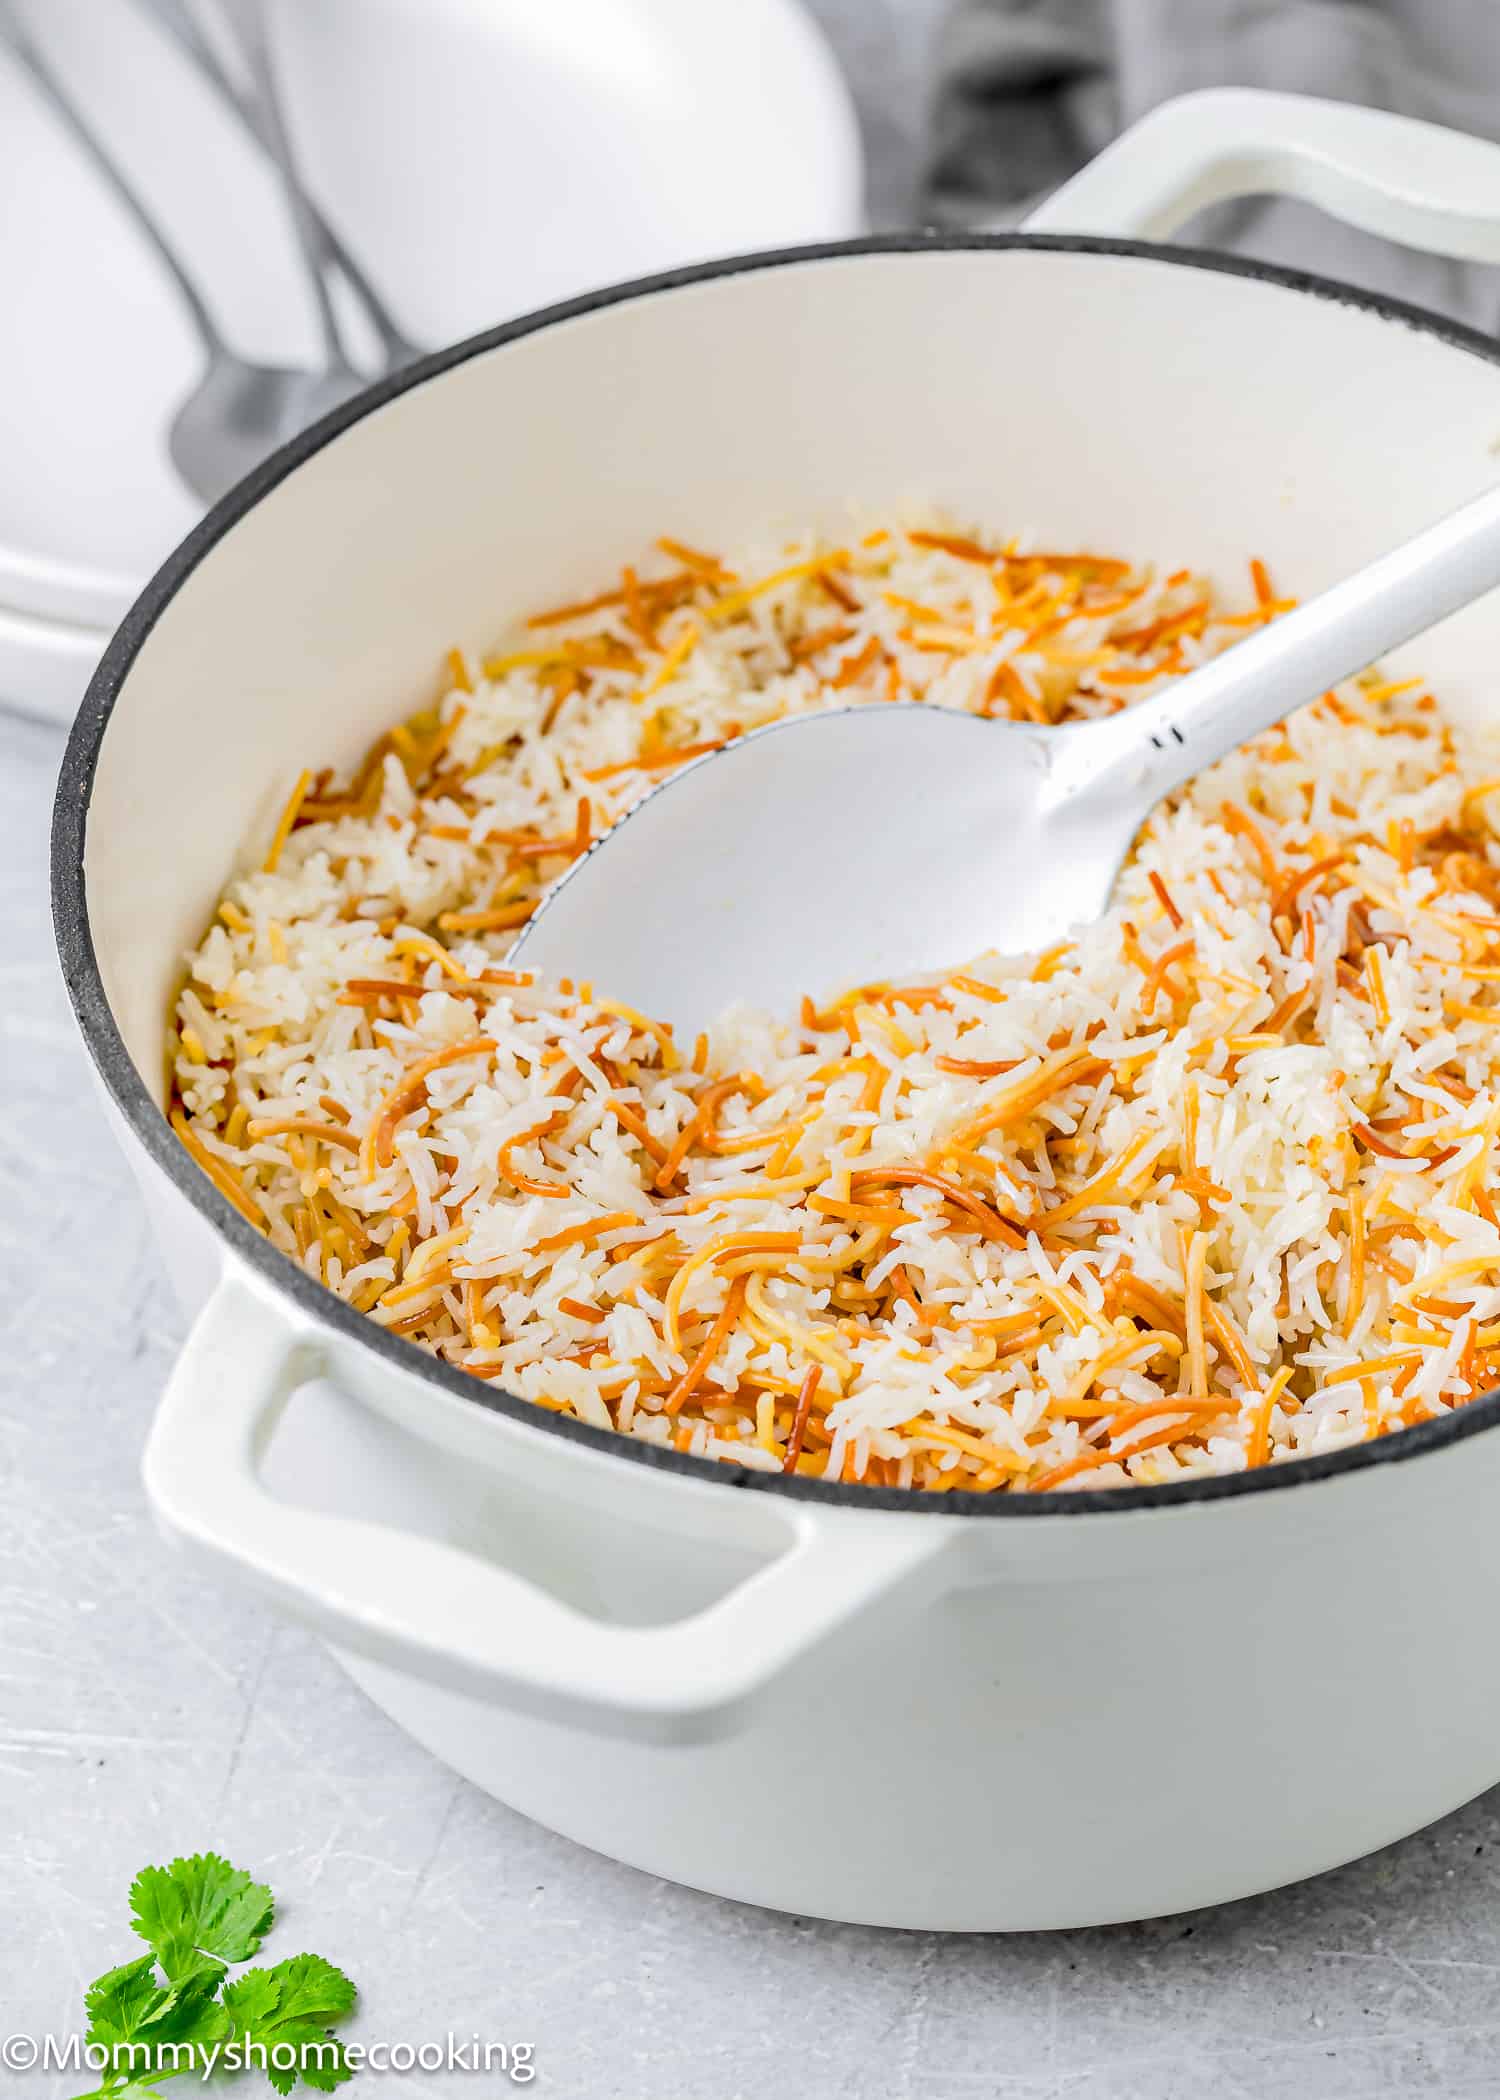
[{"x": 118, "y": 1071}]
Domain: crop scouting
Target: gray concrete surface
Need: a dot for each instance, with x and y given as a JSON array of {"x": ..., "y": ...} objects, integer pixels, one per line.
[{"x": 143, "y": 1714}]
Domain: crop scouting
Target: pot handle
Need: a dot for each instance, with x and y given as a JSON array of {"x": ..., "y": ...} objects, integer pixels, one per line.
[
  {"x": 1396, "y": 176},
  {"x": 466, "y": 1623}
]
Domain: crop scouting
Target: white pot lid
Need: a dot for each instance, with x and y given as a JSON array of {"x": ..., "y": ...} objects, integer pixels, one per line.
[{"x": 481, "y": 157}]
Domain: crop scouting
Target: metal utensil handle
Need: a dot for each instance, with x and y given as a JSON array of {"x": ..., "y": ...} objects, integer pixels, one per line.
[
  {"x": 1395, "y": 176},
  {"x": 305, "y": 221},
  {"x": 179, "y": 22},
  {"x": 18, "y": 43},
  {"x": 1155, "y": 746}
]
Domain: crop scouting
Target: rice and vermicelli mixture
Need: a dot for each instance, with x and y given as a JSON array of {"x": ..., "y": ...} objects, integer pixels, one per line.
[{"x": 1205, "y": 1188}]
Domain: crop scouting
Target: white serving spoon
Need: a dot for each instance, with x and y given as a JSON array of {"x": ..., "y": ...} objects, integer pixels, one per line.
[{"x": 838, "y": 848}]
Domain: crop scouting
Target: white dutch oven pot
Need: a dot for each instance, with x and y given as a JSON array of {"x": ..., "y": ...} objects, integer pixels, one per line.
[{"x": 979, "y": 1712}]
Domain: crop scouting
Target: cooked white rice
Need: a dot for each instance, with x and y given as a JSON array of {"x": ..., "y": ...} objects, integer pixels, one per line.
[{"x": 1206, "y": 1188}]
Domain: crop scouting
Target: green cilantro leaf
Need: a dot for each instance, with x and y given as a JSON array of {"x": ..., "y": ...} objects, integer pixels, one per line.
[
  {"x": 121, "y": 2000},
  {"x": 290, "y": 2008},
  {"x": 152, "y": 2030},
  {"x": 200, "y": 1913}
]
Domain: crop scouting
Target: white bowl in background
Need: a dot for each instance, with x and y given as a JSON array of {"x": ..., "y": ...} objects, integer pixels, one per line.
[
  {"x": 482, "y": 157},
  {"x": 557, "y": 148}
]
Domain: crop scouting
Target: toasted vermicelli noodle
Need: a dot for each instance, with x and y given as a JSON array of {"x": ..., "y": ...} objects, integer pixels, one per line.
[{"x": 1205, "y": 1188}]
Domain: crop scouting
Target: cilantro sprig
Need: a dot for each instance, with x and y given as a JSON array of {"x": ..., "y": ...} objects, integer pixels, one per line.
[
  {"x": 200, "y": 1913},
  {"x": 172, "y": 2011},
  {"x": 294, "y": 2004}
]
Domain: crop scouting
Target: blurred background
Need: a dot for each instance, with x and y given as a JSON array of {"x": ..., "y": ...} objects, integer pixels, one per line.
[{"x": 224, "y": 216}]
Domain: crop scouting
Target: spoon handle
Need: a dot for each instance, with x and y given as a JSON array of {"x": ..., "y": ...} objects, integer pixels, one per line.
[
  {"x": 177, "y": 19},
  {"x": 15, "y": 40},
  {"x": 1148, "y": 750},
  {"x": 255, "y": 41}
]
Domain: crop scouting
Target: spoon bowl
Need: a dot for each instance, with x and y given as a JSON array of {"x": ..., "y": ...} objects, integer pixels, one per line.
[
  {"x": 829, "y": 850},
  {"x": 238, "y": 412},
  {"x": 865, "y": 843}
]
